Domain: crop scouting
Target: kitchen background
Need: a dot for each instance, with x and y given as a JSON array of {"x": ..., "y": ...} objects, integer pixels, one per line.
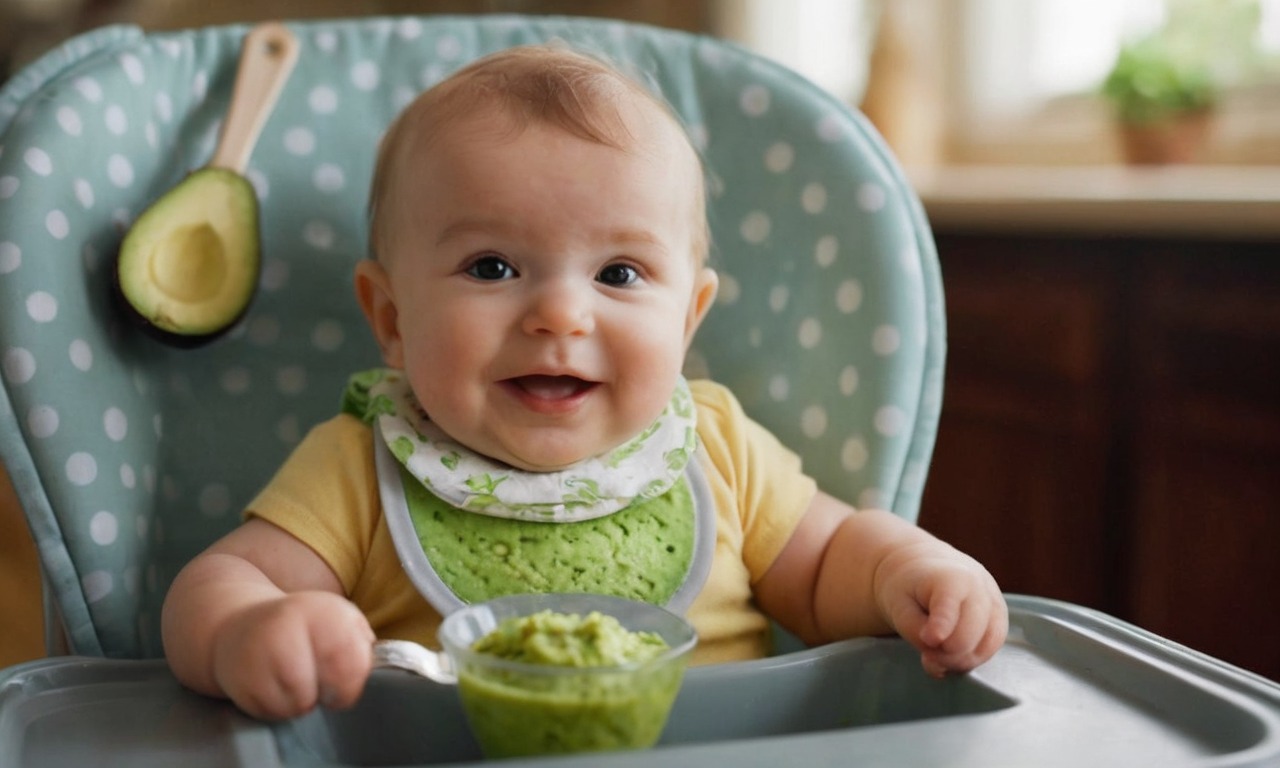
[{"x": 1103, "y": 178}]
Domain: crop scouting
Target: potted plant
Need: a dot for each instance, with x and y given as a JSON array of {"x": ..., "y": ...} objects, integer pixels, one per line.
[{"x": 1164, "y": 86}]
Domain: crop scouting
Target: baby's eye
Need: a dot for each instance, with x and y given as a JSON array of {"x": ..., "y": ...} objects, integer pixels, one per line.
[
  {"x": 618, "y": 275},
  {"x": 491, "y": 268}
]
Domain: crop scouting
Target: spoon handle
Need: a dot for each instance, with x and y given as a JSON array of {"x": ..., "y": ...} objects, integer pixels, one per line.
[
  {"x": 415, "y": 658},
  {"x": 266, "y": 59}
]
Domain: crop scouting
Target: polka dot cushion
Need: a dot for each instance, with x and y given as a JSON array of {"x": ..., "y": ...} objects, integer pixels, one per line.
[{"x": 129, "y": 456}]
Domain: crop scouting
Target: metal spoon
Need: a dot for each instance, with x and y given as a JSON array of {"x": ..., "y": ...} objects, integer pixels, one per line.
[{"x": 415, "y": 658}]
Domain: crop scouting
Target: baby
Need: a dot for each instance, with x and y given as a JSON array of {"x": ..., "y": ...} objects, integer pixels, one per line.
[{"x": 539, "y": 244}]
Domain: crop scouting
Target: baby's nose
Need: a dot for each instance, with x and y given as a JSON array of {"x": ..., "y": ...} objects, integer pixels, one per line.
[{"x": 561, "y": 308}]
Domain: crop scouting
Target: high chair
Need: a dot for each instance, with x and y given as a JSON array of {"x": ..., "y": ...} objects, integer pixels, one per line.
[{"x": 129, "y": 456}]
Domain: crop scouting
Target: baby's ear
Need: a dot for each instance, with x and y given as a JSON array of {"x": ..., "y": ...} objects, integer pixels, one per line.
[
  {"x": 373, "y": 291},
  {"x": 705, "y": 285}
]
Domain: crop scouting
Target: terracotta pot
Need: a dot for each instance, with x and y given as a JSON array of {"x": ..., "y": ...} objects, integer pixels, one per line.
[{"x": 1178, "y": 139}]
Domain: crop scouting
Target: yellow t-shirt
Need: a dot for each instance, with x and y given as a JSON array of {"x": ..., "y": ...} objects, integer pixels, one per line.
[{"x": 326, "y": 495}]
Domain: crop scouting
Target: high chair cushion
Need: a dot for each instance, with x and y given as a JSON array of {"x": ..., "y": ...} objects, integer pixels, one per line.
[{"x": 129, "y": 457}]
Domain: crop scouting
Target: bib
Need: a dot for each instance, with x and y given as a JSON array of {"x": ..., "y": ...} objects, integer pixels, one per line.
[{"x": 637, "y": 522}]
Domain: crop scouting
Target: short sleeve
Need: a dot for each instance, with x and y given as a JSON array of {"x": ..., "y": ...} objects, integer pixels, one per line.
[
  {"x": 326, "y": 496},
  {"x": 763, "y": 480}
]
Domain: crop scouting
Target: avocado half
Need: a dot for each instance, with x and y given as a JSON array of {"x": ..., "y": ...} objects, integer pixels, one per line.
[{"x": 188, "y": 267}]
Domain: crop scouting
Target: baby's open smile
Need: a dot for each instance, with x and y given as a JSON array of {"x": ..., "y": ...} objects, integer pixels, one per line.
[{"x": 547, "y": 393}]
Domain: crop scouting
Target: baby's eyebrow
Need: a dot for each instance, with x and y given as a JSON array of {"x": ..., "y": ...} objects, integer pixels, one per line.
[{"x": 473, "y": 227}]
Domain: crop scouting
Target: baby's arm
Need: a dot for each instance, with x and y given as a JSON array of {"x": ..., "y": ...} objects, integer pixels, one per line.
[
  {"x": 261, "y": 619},
  {"x": 846, "y": 573}
]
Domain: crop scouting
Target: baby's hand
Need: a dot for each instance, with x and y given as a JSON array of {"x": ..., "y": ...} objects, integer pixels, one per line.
[
  {"x": 281, "y": 658},
  {"x": 945, "y": 604}
]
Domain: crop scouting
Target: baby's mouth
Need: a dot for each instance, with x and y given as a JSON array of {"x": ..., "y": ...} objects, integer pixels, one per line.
[{"x": 545, "y": 387}]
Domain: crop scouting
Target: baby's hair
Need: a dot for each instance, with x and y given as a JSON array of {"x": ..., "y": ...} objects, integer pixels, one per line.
[{"x": 547, "y": 84}]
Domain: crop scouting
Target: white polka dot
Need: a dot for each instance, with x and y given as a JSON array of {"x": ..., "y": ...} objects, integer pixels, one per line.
[
  {"x": 871, "y": 498},
  {"x": 10, "y": 257},
  {"x": 810, "y": 334},
  {"x": 235, "y": 381},
  {"x": 699, "y": 137},
  {"x": 9, "y": 186},
  {"x": 157, "y": 425},
  {"x": 365, "y": 75},
  {"x": 264, "y": 330},
  {"x": 299, "y": 141},
  {"x": 115, "y": 423},
  {"x": 813, "y": 422},
  {"x": 287, "y": 430},
  {"x": 131, "y": 575},
  {"x": 116, "y": 120},
  {"x": 43, "y": 421},
  {"x": 38, "y": 161},
  {"x": 141, "y": 384},
  {"x": 730, "y": 290},
  {"x": 890, "y": 420},
  {"x": 56, "y": 222},
  {"x": 319, "y": 234},
  {"x": 327, "y": 41},
  {"x": 329, "y": 178},
  {"x": 96, "y": 585},
  {"x": 779, "y": 387},
  {"x": 133, "y": 69},
  {"x": 323, "y": 100},
  {"x": 432, "y": 74},
  {"x": 171, "y": 47},
  {"x": 89, "y": 88},
  {"x": 214, "y": 500},
  {"x": 885, "y": 340},
  {"x": 755, "y": 227},
  {"x": 778, "y": 298},
  {"x": 164, "y": 106},
  {"x": 19, "y": 365},
  {"x": 327, "y": 336},
  {"x": 81, "y": 354},
  {"x": 409, "y": 28},
  {"x": 82, "y": 469},
  {"x": 871, "y": 196},
  {"x": 84, "y": 193},
  {"x": 103, "y": 528},
  {"x": 826, "y": 250},
  {"x": 275, "y": 274},
  {"x": 70, "y": 121},
  {"x": 778, "y": 157},
  {"x": 831, "y": 128},
  {"x": 148, "y": 478},
  {"x": 754, "y": 100},
  {"x": 140, "y": 526},
  {"x": 42, "y": 307},
  {"x": 848, "y": 380},
  {"x": 755, "y": 337},
  {"x": 128, "y": 478},
  {"x": 200, "y": 85},
  {"x": 814, "y": 198},
  {"x": 258, "y": 179},
  {"x": 853, "y": 454},
  {"x": 849, "y": 296},
  {"x": 291, "y": 380},
  {"x": 120, "y": 171},
  {"x": 448, "y": 48}
]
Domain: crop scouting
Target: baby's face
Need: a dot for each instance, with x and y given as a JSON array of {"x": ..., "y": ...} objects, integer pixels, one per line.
[{"x": 544, "y": 286}]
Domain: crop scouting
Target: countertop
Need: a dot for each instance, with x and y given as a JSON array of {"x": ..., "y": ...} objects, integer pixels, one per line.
[{"x": 1232, "y": 202}]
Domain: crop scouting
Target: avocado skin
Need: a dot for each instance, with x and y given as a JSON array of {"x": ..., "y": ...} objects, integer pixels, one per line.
[{"x": 244, "y": 263}]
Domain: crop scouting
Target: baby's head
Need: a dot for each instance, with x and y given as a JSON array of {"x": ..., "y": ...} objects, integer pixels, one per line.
[{"x": 539, "y": 236}]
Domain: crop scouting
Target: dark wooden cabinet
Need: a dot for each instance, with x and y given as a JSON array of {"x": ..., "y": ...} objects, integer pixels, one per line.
[{"x": 1110, "y": 432}]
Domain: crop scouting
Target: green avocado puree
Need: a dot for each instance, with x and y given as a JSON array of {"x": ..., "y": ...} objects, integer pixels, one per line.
[{"x": 573, "y": 697}]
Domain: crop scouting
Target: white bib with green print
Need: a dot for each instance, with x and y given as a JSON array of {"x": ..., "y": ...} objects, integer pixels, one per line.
[{"x": 636, "y": 522}]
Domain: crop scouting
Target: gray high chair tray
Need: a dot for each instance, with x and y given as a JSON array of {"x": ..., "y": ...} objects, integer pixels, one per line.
[{"x": 1071, "y": 687}]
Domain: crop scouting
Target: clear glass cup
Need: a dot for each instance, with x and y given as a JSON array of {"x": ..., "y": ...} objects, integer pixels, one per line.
[{"x": 519, "y": 708}]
